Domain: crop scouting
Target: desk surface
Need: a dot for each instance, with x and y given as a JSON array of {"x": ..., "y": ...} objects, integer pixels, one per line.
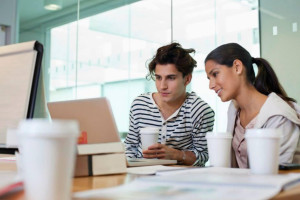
[{"x": 96, "y": 182}]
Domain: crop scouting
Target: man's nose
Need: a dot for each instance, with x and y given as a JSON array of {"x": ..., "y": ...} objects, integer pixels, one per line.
[{"x": 163, "y": 84}]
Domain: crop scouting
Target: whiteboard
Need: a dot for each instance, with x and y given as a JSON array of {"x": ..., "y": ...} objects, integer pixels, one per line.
[{"x": 20, "y": 66}]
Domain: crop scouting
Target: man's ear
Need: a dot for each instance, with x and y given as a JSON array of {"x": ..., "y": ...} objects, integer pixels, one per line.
[
  {"x": 188, "y": 79},
  {"x": 238, "y": 66}
]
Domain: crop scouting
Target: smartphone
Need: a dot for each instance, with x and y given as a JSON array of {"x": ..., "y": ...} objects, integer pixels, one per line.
[{"x": 288, "y": 166}]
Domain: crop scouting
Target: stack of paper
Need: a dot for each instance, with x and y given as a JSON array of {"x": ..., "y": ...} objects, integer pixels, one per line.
[
  {"x": 202, "y": 183},
  {"x": 9, "y": 183},
  {"x": 154, "y": 169},
  {"x": 100, "y": 159}
]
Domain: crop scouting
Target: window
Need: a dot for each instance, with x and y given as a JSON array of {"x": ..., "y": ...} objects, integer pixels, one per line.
[{"x": 104, "y": 54}]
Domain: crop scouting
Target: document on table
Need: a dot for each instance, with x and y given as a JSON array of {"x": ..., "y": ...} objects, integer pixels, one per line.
[
  {"x": 9, "y": 182},
  {"x": 202, "y": 183},
  {"x": 154, "y": 169},
  {"x": 8, "y": 159}
]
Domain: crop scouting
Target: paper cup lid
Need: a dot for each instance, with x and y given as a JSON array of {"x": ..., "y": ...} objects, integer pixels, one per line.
[
  {"x": 149, "y": 130},
  {"x": 263, "y": 133},
  {"x": 47, "y": 128},
  {"x": 218, "y": 135}
]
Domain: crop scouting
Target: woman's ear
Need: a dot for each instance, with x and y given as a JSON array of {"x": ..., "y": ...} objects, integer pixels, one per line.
[
  {"x": 238, "y": 66},
  {"x": 188, "y": 79}
]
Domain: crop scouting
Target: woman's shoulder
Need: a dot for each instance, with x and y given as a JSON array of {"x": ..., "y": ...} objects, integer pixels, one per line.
[{"x": 276, "y": 106}]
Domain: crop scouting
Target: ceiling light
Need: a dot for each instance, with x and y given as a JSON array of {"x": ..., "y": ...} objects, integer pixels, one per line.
[{"x": 53, "y": 4}]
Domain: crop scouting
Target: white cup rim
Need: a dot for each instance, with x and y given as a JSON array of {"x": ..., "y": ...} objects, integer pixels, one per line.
[
  {"x": 149, "y": 133},
  {"x": 149, "y": 130},
  {"x": 217, "y": 135},
  {"x": 263, "y": 133},
  {"x": 43, "y": 128}
]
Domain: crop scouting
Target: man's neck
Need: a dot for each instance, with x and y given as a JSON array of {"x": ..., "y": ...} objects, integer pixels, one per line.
[{"x": 168, "y": 108}]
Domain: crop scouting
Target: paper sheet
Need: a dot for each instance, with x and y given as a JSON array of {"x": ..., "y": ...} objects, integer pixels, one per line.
[
  {"x": 151, "y": 170},
  {"x": 209, "y": 183},
  {"x": 9, "y": 182}
]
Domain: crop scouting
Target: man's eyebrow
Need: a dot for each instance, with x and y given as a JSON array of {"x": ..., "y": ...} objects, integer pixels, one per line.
[{"x": 169, "y": 75}]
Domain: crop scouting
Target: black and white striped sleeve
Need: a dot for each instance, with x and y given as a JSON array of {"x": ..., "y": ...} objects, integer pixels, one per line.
[
  {"x": 203, "y": 121},
  {"x": 132, "y": 139}
]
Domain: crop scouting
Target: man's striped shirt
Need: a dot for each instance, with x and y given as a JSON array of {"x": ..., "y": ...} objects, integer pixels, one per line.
[{"x": 184, "y": 130}]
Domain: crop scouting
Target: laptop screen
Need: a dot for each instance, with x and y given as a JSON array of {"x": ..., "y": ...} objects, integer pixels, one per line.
[{"x": 95, "y": 117}]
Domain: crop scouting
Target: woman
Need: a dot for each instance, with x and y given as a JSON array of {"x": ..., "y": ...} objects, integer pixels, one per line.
[{"x": 258, "y": 101}]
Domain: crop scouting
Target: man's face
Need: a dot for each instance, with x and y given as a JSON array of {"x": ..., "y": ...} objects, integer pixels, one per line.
[{"x": 170, "y": 84}]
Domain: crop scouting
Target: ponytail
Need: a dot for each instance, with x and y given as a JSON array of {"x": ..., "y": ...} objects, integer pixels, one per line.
[{"x": 266, "y": 80}]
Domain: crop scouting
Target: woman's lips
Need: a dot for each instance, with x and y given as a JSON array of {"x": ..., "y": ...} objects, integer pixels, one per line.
[{"x": 218, "y": 92}]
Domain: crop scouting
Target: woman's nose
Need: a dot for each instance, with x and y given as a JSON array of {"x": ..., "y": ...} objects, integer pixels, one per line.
[{"x": 211, "y": 84}]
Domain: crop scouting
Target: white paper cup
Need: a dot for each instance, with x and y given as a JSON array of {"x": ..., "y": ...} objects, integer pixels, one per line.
[
  {"x": 263, "y": 150},
  {"x": 219, "y": 148},
  {"x": 48, "y": 156},
  {"x": 149, "y": 136}
]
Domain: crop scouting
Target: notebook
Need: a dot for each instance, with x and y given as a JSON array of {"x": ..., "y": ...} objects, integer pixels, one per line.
[{"x": 95, "y": 117}]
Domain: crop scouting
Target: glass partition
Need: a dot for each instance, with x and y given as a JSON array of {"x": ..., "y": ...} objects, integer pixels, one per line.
[
  {"x": 100, "y": 48},
  {"x": 281, "y": 41}
]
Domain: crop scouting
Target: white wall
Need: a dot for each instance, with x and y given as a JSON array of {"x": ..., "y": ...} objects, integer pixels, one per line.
[
  {"x": 282, "y": 50},
  {"x": 9, "y": 18}
]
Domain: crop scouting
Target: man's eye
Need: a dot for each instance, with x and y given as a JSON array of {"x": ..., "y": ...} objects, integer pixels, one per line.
[
  {"x": 215, "y": 74},
  {"x": 172, "y": 78}
]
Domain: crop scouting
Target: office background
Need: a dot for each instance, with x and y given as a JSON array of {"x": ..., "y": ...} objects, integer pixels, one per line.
[{"x": 99, "y": 48}]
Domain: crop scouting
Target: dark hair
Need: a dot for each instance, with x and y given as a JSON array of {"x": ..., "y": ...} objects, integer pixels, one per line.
[
  {"x": 266, "y": 80},
  {"x": 173, "y": 54}
]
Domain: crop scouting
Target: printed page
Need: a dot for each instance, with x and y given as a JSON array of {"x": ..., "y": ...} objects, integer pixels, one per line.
[
  {"x": 9, "y": 182},
  {"x": 150, "y": 170},
  {"x": 210, "y": 183}
]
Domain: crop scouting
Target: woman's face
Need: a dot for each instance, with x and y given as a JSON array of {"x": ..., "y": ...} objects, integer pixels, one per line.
[{"x": 223, "y": 80}]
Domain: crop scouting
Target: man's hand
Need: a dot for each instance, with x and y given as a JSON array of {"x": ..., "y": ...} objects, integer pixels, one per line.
[{"x": 161, "y": 151}]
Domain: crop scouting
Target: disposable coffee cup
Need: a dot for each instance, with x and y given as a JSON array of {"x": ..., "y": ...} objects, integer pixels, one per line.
[
  {"x": 219, "y": 148},
  {"x": 48, "y": 156},
  {"x": 149, "y": 136},
  {"x": 263, "y": 150}
]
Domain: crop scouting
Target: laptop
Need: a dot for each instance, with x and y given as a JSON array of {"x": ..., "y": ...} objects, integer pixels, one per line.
[{"x": 95, "y": 117}]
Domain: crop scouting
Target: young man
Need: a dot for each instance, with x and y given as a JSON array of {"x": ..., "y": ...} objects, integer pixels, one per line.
[{"x": 183, "y": 118}]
